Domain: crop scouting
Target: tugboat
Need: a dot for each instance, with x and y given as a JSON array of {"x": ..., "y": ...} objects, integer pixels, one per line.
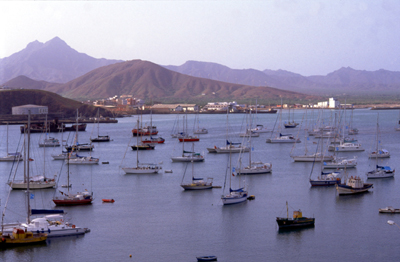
[{"x": 297, "y": 221}]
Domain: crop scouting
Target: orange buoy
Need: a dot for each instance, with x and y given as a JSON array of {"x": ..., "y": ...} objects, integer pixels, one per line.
[{"x": 109, "y": 200}]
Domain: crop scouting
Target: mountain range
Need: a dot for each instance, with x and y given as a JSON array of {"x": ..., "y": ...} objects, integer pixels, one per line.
[{"x": 56, "y": 67}]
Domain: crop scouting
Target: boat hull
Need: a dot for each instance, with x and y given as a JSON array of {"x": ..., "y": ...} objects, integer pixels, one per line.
[
  {"x": 72, "y": 202},
  {"x": 324, "y": 182},
  {"x": 231, "y": 199},
  {"x": 187, "y": 159},
  {"x": 288, "y": 223},
  {"x": 347, "y": 190},
  {"x": 32, "y": 185},
  {"x": 140, "y": 170}
]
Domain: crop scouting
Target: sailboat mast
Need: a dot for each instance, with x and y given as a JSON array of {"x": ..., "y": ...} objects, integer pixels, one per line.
[
  {"x": 27, "y": 169},
  {"x": 44, "y": 150},
  {"x": 250, "y": 139},
  {"x": 7, "y": 138},
  {"x": 137, "y": 144}
]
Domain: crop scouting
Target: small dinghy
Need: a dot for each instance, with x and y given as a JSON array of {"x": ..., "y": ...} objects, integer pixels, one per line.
[{"x": 108, "y": 200}]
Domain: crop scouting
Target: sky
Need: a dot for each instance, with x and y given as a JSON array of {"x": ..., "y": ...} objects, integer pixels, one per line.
[{"x": 306, "y": 36}]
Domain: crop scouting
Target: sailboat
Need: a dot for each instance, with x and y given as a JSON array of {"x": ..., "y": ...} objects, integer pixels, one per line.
[
  {"x": 77, "y": 146},
  {"x": 231, "y": 147},
  {"x": 141, "y": 168},
  {"x": 196, "y": 183},
  {"x": 11, "y": 157},
  {"x": 379, "y": 171},
  {"x": 325, "y": 178},
  {"x": 234, "y": 196},
  {"x": 64, "y": 154},
  {"x": 71, "y": 199},
  {"x": 254, "y": 167},
  {"x": 99, "y": 138},
  {"x": 199, "y": 130},
  {"x": 185, "y": 137},
  {"x": 291, "y": 124},
  {"x": 36, "y": 182},
  {"x": 19, "y": 236},
  {"x": 188, "y": 156},
  {"x": 248, "y": 130},
  {"x": 147, "y": 130},
  {"x": 259, "y": 128},
  {"x": 379, "y": 152},
  {"x": 316, "y": 157},
  {"x": 282, "y": 138},
  {"x": 352, "y": 130}
]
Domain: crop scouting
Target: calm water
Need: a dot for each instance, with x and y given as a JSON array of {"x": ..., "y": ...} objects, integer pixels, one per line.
[{"x": 153, "y": 219}]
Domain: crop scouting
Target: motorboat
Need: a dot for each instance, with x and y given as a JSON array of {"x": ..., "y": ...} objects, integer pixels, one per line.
[
  {"x": 346, "y": 147},
  {"x": 153, "y": 140},
  {"x": 389, "y": 209}
]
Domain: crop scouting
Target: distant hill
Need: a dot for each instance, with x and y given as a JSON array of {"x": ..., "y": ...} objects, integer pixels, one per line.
[
  {"x": 150, "y": 81},
  {"x": 344, "y": 80},
  {"x": 56, "y": 103},
  {"x": 53, "y": 61}
]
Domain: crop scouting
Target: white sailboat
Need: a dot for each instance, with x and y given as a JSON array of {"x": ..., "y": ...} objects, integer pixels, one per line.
[
  {"x": 188, "y": 156},
  {"x": 141, "y": 168},
  {"x": 11, "y": 157},
  {"x": 48, "y": 141},
  {"x": 99, "y": 138},
  {"x": 234, "y": 196},
  {"x": 196, "y": 183},
  {"x": 254, "y": 167},
  {"x": 282, "y": 138},
  {"x": 36, "y": 182},
  {"x": 77, "y": 146},
  {"x": 199, "y": 130},
  {"x": 379, "y": 152}
]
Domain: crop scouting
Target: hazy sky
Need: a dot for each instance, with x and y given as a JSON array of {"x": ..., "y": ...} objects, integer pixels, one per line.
[{"x": 306, "y": 37}]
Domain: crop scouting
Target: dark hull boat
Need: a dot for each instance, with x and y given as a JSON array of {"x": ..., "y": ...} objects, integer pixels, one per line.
[
  {"x": 298, "y": 221},
  {"x": 143, "y": 147}
]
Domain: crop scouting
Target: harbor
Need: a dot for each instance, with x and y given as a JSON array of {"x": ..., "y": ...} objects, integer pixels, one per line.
[{"x": 152, "y": 218}]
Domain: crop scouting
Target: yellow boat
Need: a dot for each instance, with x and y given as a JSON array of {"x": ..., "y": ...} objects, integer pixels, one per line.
[{"x": 20, "y": 237}]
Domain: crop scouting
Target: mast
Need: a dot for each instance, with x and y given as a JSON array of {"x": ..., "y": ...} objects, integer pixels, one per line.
[
  {"x": 250, "y": 138},
  {"x": 98, "y": 122},
  {"x": 287, "y": 210},
  {"x": 137, "y": 145},
  {"x": 7, "y": 138},
  {"x": 27, "y": 168}
]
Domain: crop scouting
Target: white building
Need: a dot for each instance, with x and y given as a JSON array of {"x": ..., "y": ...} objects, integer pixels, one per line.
[{"x": 35, "y": 110}]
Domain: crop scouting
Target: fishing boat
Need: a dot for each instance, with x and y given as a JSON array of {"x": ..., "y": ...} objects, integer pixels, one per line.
[
  {"x": 147, "y": 130},
  {"x": 196, "y": 183},
  {"x": 99, "y": 138},
  {"x": 389, "y": 209},
  {"x": 142, "y": 168},
  {"x": 298, "y": 221},
  {"x": 354, "y": 185},
  {"x": 11, "y": 157}
]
